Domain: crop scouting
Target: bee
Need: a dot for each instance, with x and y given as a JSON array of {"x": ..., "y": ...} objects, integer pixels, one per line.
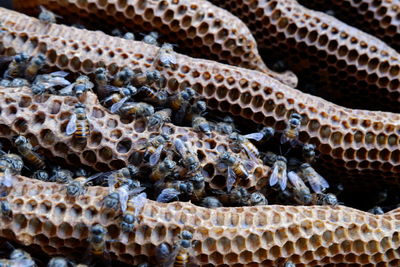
[
  {"x": 227, "y": 126},
  {"x": 237, "y": 196},
  {"x": 154, "y": 147},
  {"x": 159, "y": 118},
  {"x": 13, "y": 162},
  {"x": 116, "y": 100},
  {"x": 117, "y": 178},
  {"x": 19, "y": 82},
  {"x": 58, "y": 262},
  {"x": 81, "y": 85},
  {"x": 198, "y": 182},
  {"x": 97, "y": 239},
  {"x": 123, "y": 77},
  {"x": 182, "y": 252},
  {"x": 289, "y": 264},
  {"x": 41, "y": 175},
  {"x": 309, "y": 153},
  {"x": 291, "y": 133},
  {"x": 257, "y": 199},
  {"x": 18, "y": 258},
  {"x": 47, "y": 16},
  {"x": 136, "y": 109},
  {"x": 376, "y": 210},
  {"x": 211, "y": 203},
  {"x": 5, "y": 83},
  {"x": 166, "y": 56},
  {"x": 301, "y": 193},
  {"x": 135, "y": 205},
  {"x": 324, "y": 199},
  {"x": 180, "y": 102},
  {"x": 151, "y": 38},
  {"x": 101, "y": 79},
  {"x": 111, "y": 201},
  {"x": 117, "y": 32},
  {"x": 173, "y": 189},
  {"x": 16, "y": 66},
  {"x": 129, "y": 36},
  {"x": 163, "y": 169},
  {"x": 268, "y": 133},
  {"x": 239, "y": 142},
  {"x": 189, "y": 160},
  {"x": 269, "y": 158},
  {"x": 48, "y": 81},
  {"x": 34, "y": 65},
  {"x": 149, "y": 95},
  {"x": 76, "y": 187},
  {"x": 316, "y": 181},
  {"x": 5, "y": 208},
  {"x": 60, "y": 175},
  {"x": 200, "y": 124},
  {"x": 197, "y": 109},
  {"x": 78, "y": 125},
  {"x": 81, "y": 172},
  {"x": 147, "y": 78},
  {"x": 279, "y": 173},
  {"x": 235, "y": 169},
  {"x": 25, "y": 148}
]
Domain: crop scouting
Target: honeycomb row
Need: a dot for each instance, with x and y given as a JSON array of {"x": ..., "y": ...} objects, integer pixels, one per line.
[
  {"x": 376, "y": 17},
  {"x": 252, "y": 95},
  {"x": 260, "y": 236},
  {"x": 198, "y": 28},
  {"x": 331, "y": 58}
]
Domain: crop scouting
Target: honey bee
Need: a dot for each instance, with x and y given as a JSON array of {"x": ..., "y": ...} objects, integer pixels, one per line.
[
  {"x": 16, "y": 66},
  {"x": 182, "y": 254},
  {"x": 18, "y": 258},
  {"x": 235, "y": 169},
  {"x": 200, "y": 124},
  {"x": 309, "y": 153},
  {"x": 197, "y": 180},
  {"x": 154, "y": 148},
  {"x": 117, "y": 100},
  {"x": 149, "y": 95},
  {"x": 81, "y": 172},
  {"x": 324, "y": 199},
  {"x": 151, "y": 38},
  {"x": 81, "y": 85},
  {"x": 163, "y": 169},
  {"x": 301, "y": 193},
  {"x": 76, "y": 187},
  {"x": 173, "y": 189},
  {"x": 97, "y": 239},
  {"x": 289, "y": 264},
  {"x": 316, "y": 181},
  {"x": 269, "y": 158},
  {"x": 101, "y": 79},
  {"x": 129, "y": 36},
  {"x": 166, "y": 56},
  {"x": 59, "y": 262},
  {"x": 211, "y": 203},
  {"x": 19, "y": 82},
  {"x": 135, "y": 205},
  {"x": 25, "y": 148},
  {"x": 279, "y": 173},
  {"x": 48, "y": 81},
  {"x": 237, "y": 196},
  {"x": 117, "y": 178},
  {"x": 189, "y": 160},
  {"x": 291, "y": 133},
  {"x": 111, "y": 201},
  {"x": 123, "y": 77},
  {"x": 78, "y": 124},
  {"x": 136, "y": 109},
  {"x": 180, "y": 102},
  {"x": 376, "y": 210},
  {"x": 268, "y": 133},
  {"x": 34, "y": 65},
  {"x": 227, "y": 126},
  {"x": 197, "y": 109},
  {"x": 5, "y": 83},
  {"x": 61, "y": 176},
  {"x": 5, "y": 208},
  {"x": 12, "y": 162},
  {"x": 257, "y": 199},
  {"x": 147, "y": 78},
  {"x": 239, "y": 142},
  {"x": 41, "y": 175},
  {"x": 159, "y": 118},
  {"x": 47, "y": 16}
]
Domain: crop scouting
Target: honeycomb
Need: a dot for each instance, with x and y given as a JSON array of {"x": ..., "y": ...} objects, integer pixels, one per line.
[
  {"x": 198, "y": 28},
  {"x": 112, "y": 144},
  {"x": 331, "y": 59},
  {"x": 253, "y": 236},
  {"x": 356, "y": 142},
  {"x": 379, "y": 18}
]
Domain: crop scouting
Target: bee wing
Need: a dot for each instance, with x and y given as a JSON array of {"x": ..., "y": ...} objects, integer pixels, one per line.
[
  {"x": 139, "y": 201},
  {"x": 249, "y": 165},
  {"x": 115, "y": 107},
  {"x": 250, "y": 153},
  {"x": 180, "y": 146},
  {"x": 22, "y": 263},
  {"x": 123, "y": 198},
  {"x": 97, "y": 175},
  {"x": 155, "y": 157},
  {"x": 283, "y": 180},
  {"x": 167, "y": 195},
  {"x": 71, "y": 126},
  {"x": 112, "y": 88},
  {"x": 59, "y": 74},
  {"x": 7, "y": 180},
  {"x": 180, "y": 114},
  {"x": 296, "y": 181},
  {"x": 324, "y": 183},
  {"x": 273, "y": 179},
  {"x": 67, "y": 90},
  {"x": 231, "y": 179},
  {"x": 254, "y": 136},
  {"x": 314, "y": 182}
]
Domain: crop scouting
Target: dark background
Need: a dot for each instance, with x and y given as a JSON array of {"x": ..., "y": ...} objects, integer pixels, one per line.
[{"x": 5, "y": 3}]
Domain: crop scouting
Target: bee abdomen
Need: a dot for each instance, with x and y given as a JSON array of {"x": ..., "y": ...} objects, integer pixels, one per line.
[
  {"x": 34, "y": 159},
  {"x": 82, "y": 131}
]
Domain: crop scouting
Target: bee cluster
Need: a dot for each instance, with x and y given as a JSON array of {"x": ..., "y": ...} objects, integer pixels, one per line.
[{"x": 168, "y": 169}]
